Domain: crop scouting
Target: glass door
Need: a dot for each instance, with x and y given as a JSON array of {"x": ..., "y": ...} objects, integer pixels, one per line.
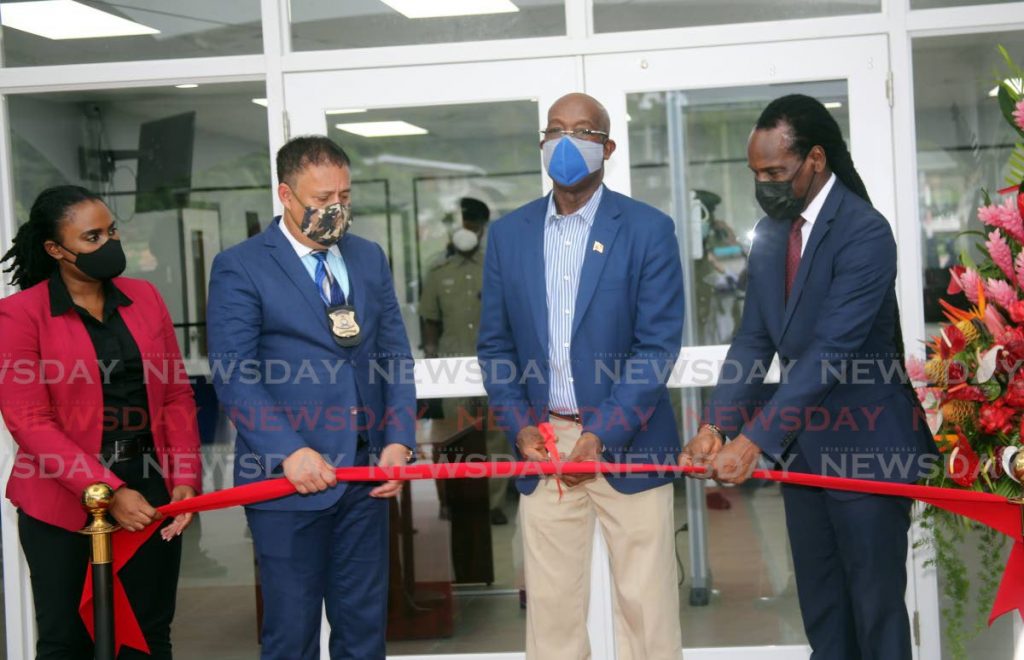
[
  {"x": 436, "y": 149},
  {"x": 682, "y": 120}
]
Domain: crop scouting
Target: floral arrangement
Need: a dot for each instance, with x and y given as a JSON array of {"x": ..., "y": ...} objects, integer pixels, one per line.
[{"x": 972, "y": 387}]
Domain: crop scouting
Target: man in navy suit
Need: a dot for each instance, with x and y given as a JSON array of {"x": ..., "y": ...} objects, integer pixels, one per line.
[
  {"x": 582, "y": 322},
  {"x": 311, "y": 361},
  {"x": 821, "y": 294}
]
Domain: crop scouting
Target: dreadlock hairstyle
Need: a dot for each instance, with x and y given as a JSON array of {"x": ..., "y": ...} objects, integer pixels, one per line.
[
  {"x": 811, "y": 124},
  {"x": 30, "y": 264}
]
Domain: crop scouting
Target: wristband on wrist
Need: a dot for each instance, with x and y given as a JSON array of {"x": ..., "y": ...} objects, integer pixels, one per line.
[{"x": 714, "y": 429}]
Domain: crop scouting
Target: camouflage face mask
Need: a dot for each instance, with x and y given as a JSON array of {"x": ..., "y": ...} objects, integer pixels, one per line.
[{"x": 328, "y": 225}]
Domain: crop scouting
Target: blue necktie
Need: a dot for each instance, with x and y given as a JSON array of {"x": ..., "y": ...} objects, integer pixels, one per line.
[{"x": 325, "y": 281}]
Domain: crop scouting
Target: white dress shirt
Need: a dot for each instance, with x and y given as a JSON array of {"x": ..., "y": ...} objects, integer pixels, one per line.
[
  {"x": 335, "y": 262},
  {"x": 812, "y": 212},
  {"x": 565, "y": 248}
]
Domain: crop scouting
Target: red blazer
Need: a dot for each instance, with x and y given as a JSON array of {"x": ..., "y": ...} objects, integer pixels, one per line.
[{"x": 51, "y": 399}]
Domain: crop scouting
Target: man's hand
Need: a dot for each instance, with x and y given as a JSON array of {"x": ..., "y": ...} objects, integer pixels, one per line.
[
  {"x": 131, "y": 510},
  {"x": 736, "y": 461},
  {"x": 587, "y": 450},
  {"x": 393, "y": 455},
  {"x": 702, "y": 450},
  {"x": 183, "y": 520},
  {"x": 308, "y": 471},
  {"x": 531, "y": 444}
]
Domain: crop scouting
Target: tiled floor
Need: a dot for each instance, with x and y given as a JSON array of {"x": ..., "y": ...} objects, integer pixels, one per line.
[{"x": 753, "y": 603}]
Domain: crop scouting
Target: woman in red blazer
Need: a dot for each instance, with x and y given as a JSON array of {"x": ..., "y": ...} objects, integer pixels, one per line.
[{"x": 92, "y": 388}]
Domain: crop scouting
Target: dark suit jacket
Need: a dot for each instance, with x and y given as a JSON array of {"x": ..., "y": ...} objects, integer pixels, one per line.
[
  {"x": 843, "y": 401},
  {"x": 281, "y": 376}
]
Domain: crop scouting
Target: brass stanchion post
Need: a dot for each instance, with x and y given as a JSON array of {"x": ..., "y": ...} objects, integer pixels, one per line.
[{"x": 96, "y": 500}]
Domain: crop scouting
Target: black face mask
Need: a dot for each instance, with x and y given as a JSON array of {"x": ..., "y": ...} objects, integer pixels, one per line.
[
  {"x": 777, "y": 198},
  {"x": 104, "y": 263}
]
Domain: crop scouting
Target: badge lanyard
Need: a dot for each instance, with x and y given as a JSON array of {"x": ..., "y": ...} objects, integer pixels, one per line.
[{"x": 340, "y": 316}]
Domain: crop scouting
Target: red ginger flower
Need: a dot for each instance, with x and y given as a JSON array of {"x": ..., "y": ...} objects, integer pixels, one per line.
[{"x": 996, "y": 418}]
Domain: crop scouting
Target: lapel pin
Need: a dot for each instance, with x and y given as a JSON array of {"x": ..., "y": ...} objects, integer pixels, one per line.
[{"x": 598, "y": 247}]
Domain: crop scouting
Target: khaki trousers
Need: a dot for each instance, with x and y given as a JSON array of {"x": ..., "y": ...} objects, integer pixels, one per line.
[{"x": 558, "y": 537}]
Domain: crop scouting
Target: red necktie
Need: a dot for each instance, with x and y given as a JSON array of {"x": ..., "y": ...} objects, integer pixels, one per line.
[{"x": 793, "y": 253}]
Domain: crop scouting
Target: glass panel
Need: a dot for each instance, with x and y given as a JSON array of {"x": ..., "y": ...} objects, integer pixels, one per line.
[
  {"x": 688, "y": 157},
  {"x": 963, "y": 146},
  {"x": 185, "y": 173},
  {"x": 456, "y": 585},
  {"x": 173, "y": 221},
  {"x": 626, "y": 15},
  {"x": 414, "y": 197},
  {"x": 934, "y": 4},
  {"x": 325, "y": 24},
  {"x": 37, "y": 33}
]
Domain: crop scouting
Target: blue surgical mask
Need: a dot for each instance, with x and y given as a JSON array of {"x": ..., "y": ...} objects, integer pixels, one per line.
[{"x": 569, "y": 159}]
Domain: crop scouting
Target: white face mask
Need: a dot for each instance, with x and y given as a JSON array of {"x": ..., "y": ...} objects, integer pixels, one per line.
[{"x": 465, "y": 240}]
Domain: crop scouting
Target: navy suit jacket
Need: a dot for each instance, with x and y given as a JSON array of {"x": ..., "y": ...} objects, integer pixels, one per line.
[
  {"x": 284, "y": 381},
  {"x": 843, "y": 399},
  {"x": 626, "y": 335}
]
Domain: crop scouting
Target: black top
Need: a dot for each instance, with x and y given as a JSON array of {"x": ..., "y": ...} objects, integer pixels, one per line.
[{"x": 125, "y": 404}]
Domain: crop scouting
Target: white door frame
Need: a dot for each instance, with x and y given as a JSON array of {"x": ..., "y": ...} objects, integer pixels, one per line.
[{"x": 863, "y": 62}]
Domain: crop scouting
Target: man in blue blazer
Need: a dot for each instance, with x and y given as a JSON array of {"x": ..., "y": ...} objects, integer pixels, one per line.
[
  {"x": 581, "y": 324},
  {"x": 821, "y": 294},
  {"x": 311, "y": 361}
]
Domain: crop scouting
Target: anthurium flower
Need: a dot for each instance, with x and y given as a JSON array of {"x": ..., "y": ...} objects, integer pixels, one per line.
[
  {"x": 963, "y": 465},
  {"x": 955, "y": 273},
  {"x": 1013, "y": 341},
  {"x": 953, "y": 342}
]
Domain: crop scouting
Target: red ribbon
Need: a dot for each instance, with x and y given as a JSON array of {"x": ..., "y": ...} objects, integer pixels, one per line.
[
  {"x": 992, "y": 510},
  {"x": 551, "y": 446}
]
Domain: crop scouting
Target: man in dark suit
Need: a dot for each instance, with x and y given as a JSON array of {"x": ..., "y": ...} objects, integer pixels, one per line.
[
  {"x": 582, "y": 322},
  {"x": 821, "y": 294},
  {"x": 311, "y": 361}
]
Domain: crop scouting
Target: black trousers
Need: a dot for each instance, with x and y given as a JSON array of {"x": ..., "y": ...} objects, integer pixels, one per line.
[{"x": 57, "y": 561}]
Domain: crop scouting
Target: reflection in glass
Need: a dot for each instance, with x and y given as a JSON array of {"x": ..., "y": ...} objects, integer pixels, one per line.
[
  {"x": 936, "y": 4},
  {"x": 328, "y": 25},
  {"x": 626, "y": 15},
  {"x": 211, "y": 192},
  {"x": 185, "y": 172},
  {"x": 963, "y": 145},
  {"x": 408, "y": 192},
  {"x": 456, "y": 575},
  {"x": 688, "y": 157},
  {"x": 36, "y": 34}
]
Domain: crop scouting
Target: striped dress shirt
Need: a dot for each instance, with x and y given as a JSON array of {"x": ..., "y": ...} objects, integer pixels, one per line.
[{"x": 565, "y": 246}]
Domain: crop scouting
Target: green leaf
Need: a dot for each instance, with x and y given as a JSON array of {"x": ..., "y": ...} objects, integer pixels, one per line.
[
  {"x": 1016, "y": 165},
  {"x": 1007, "y": 104}
]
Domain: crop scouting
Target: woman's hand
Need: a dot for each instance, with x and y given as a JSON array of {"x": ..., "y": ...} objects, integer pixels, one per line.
[
  {"x": 131, "y": 510},
  {"x": 182, "y": 520}
]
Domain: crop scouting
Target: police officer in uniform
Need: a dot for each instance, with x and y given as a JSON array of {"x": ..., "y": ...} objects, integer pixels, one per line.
[{"x": 450, "y": 308}]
